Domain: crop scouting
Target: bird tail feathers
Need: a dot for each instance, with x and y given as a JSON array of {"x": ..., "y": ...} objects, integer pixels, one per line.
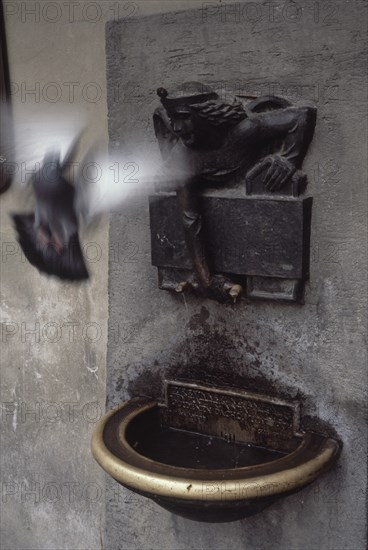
[{"x": 68, "y": 265}]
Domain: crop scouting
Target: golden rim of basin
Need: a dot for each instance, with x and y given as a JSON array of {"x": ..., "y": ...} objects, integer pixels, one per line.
[{"x": 112, "y": 450}]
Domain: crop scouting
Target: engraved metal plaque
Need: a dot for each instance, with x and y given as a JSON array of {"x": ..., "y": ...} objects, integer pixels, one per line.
[{"x": 235, "y": 415}]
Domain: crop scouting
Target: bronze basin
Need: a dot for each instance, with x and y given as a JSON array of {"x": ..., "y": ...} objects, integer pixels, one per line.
[{"x": 206, "y": 473}]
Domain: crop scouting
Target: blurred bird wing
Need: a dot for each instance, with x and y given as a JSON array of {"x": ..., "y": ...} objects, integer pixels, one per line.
[
  {"x": 86, "y": 183},
  {"x": 70, "y": 163}
]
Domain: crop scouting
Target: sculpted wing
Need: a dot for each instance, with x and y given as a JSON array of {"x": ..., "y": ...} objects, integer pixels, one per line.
[{"x": 266, "y": 103}]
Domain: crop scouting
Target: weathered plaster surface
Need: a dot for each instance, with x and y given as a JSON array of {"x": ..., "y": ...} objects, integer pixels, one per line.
[{"x": 52, "y": 381}]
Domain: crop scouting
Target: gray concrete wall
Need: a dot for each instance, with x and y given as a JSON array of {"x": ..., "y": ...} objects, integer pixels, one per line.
[
  {"x": 314, "y": 351},
  {"x": 53, "y": 381}
]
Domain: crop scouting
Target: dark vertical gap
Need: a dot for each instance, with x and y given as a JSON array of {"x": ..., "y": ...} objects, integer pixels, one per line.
[{"x": 6, "y": 130}]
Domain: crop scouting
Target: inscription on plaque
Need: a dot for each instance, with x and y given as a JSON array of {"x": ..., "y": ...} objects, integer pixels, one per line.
[{"x": 235, "y": 415}]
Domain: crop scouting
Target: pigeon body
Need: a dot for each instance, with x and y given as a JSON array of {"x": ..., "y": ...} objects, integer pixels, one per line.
[{"x": 49, "y": 236}]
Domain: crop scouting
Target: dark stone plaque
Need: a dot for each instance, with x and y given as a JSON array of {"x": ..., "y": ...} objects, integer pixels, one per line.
[{"x": 266, "y": 237}]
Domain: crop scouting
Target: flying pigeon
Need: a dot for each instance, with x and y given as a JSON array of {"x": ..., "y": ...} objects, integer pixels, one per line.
[{"x": 49, "y": 235}]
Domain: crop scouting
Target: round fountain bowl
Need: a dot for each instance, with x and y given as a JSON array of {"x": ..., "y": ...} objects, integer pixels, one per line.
[{"x": 198, "y": 476}]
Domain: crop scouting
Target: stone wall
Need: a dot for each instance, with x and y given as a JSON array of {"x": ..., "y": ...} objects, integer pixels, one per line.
[{"x": 312, "y": 351}]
